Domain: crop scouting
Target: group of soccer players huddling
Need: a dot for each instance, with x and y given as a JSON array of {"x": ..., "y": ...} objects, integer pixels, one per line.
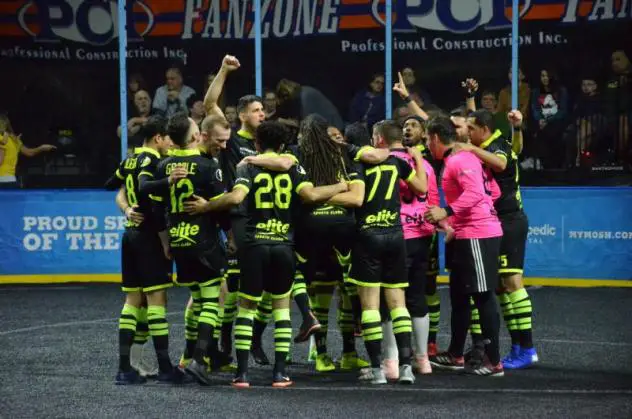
[{"x": 253, "y": 223}]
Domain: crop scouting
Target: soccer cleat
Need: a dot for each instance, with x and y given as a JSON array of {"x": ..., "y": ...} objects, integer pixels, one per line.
[
  {"x": 129, "y": 378},
  {"x": 198, "y": 371},
  {"x": 432, "y": 349},
  {"x": 259, "y": 355},
  {"x": 391, "y": 369},
  {"x": 175, "y": 376},
  {"x": 476, "y": 352},
  {"x": 373, "y": 375},
  {"x": 240, "y": 381},
  {"x": 308, "y": 328},
  {"x": 447, "y": 361},
  {"x": 525, "y": 359},
  {"x": 514, "y": 353},
  {"x": 280, "y": 380},
  {"x": 351, "y": 361},
  {"x": 140, "y": 364},
  {"x": 484, "y": 368},
  {"x": 422, "y": 364},
  {"x": 324, "y": 363},
  {"x": 219, "y": 361},
  {"x": 406, "y": 375}
]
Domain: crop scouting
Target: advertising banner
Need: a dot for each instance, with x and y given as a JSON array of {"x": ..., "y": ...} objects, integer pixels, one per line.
[{"x": 61, "y": 236}]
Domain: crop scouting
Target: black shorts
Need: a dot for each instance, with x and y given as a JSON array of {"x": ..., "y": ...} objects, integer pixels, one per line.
[
  {"x": 514, "y": 243},
  {"x": 449, "y": 255},
  {"x": 204, "y": 267},
  {"x": 267, "y": 268},
  {"x": 417, "y": 252},
  {"x": 433, "y": 256},
  {"x": 143, "y": 263},
  {"x": 379, "y": 260},
  {"x": 474, "y": 265},
  {"x": 238, "y": 228}
]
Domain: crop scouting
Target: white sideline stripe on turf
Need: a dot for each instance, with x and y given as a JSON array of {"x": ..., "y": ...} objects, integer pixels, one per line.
[{"x": 174, "y": 313}]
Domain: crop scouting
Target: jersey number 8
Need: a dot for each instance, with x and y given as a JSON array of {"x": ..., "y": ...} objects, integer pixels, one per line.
[{"x": 282, "y": 185}]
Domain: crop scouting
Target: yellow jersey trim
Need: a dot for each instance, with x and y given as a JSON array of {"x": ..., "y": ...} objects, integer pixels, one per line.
[
  {"x": 149, "y": 150},
  {"x": 497, "y": 134}
]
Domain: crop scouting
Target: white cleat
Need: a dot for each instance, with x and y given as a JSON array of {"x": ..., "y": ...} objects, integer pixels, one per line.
[{"x": 406, "y": 375}]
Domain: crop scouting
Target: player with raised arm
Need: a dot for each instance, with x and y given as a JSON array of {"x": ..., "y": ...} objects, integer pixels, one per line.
[{"x": 267, "y": 265}]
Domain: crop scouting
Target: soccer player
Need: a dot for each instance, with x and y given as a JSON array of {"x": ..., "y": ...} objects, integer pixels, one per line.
[
  {"x": 379, "y": 253},
  {"x": 194, "y": 239},
  {"x": 499, "y": 156},
  {"x": 145, "y": 266},
  {"x": 241, "y": 144},
  {"x": 268, "y": 255},
  {"x": 474, "y": 265}
]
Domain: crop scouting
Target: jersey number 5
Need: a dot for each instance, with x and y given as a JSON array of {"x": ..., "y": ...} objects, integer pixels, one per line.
[
  {"x": 178, "y": 193},
  {"x": 282, "y": 185},
  {"x": 377, "y": 171}
]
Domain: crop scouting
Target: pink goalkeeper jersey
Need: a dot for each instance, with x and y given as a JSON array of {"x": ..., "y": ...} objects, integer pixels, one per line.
[
  {"x": 468, "y": 194},
  {"x": 413, "y": 205}
]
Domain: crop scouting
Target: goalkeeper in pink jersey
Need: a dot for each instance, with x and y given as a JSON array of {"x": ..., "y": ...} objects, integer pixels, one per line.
[{"x": 477, "y": 233}]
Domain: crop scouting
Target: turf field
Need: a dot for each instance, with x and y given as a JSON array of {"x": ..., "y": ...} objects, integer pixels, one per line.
[{"x": 58, "y": 351}]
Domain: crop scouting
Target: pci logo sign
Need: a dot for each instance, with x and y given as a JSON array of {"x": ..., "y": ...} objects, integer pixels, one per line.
[
  {"x": 86, "y": 21},
  {"x": 447, "y": 15}
]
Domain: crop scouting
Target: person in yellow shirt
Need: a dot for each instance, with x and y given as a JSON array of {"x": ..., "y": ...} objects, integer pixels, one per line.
[
  {"x": 10, "y": 148},
  {"x": 524, "y": 94}
]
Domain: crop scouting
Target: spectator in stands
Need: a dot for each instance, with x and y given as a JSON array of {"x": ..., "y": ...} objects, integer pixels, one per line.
[
  {"x": 10, "y": 149},
  {"x": 171, "y": 98},
  {"x": 299, "y": 101},
  {"x": 524, "y": 93},
  {"x": 418, "y": 94},
  {"x": 368, "y": 105},
  {"x": 549, "y": 109},
  {"x": 142, "y": 110},
  {"x": 195, "y": 104},
  {"x": 357, "y": 134},
  {"x": 135, "y": 83},
  {"x": 270, "y": 104},
  {"x": 489, "y": 102},
  {"x": 618, "y": 97},
  {"x": 230, "y": 113},
  {"x": 587, "y": 135}
]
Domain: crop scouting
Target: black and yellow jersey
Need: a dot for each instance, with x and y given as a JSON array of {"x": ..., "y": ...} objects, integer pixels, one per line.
[
  {"x": 204, "y": 178},
  {"x": 269, "y": 205},
  {"x": 380, "y": 211},
  {"x": 143, "y": 162},
  {"x": 508, "y": 180},
  {"x": 241, "y": 144}
]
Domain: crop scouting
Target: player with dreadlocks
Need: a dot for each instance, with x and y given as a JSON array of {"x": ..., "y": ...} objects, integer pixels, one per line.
[{"x": 330, "y": 229}]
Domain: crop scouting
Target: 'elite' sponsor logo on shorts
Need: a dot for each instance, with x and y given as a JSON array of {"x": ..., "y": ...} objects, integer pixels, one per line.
[
  {"x": 272, "y": 230},
  {"x": 183, "y": 234},
  {"x": 384, "y": 218}
]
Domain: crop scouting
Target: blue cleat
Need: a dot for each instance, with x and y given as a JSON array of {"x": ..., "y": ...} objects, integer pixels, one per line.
[
  {"x": 526, "y": 358},
  {"x": 513, "y": 354},
  {"x": 129, "y": 378}
]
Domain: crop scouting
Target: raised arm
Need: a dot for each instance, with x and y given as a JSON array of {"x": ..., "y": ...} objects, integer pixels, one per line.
[
  {"x": 211, "y": 99},
  {"x": 400, "y": 88},
  {"x": 515, "y": 119},
  {"x": 371, "y": 155},
  {"x": 471, "y": 87}
]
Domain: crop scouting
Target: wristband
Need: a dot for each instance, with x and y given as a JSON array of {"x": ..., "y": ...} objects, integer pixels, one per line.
[
  {"x": 517, "y": 129},
  {"x": 449, "y": 211},
  {"x": 408, "y": 99},
  {"x": 470, "y": 95}
]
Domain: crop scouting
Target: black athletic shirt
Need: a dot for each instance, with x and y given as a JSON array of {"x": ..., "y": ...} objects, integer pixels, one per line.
[
  {"x": 510, "y": 200},
  {"x": 191, "y": 232},
  {"x": 380, "y": 211},
  {"x": 270, "y": 202}
]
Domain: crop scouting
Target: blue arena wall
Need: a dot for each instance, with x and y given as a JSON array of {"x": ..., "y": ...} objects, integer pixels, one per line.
[{"x": 577, "y": 236}]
